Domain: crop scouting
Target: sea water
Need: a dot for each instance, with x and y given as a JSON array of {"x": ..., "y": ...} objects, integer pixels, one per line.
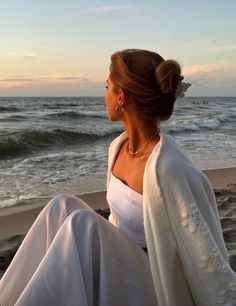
[{"x": 46, "y": 141}]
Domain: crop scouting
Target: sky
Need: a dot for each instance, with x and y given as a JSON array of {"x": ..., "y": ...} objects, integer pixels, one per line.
[{"x": 63, "y": 47}]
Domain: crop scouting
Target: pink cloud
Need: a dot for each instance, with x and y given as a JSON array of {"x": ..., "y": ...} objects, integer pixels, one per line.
[
  {"x": 13, "y": 82},
  {"x": 224, "y": 48},
  {"x": 203, "y": 69}
]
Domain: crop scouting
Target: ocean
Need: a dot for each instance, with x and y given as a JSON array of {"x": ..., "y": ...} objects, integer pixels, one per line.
[{"x": 46, "y": 142}]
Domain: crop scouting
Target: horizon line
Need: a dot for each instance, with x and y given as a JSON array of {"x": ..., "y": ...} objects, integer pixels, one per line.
[{"x": 103, "y": 96}]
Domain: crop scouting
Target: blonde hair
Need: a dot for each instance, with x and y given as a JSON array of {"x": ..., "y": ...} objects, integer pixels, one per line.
[{"x": 149, "y": 79}]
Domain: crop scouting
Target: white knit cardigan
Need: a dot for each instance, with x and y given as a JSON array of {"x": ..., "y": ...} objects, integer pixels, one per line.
[{"x": 187, "y": 253}]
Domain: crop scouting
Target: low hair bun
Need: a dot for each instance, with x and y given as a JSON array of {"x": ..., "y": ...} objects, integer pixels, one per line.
[{"x": 168, "y": 76}]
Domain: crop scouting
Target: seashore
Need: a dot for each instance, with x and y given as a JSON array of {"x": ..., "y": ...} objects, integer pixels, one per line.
[{"x": 15, "y": 221}]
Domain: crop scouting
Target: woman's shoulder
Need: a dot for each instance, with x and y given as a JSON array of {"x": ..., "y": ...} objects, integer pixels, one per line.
[{"x": 171, "y": 160}]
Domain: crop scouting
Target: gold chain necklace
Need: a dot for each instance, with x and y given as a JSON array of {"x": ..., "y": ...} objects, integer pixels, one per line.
[{"x": 142, "y": 147}]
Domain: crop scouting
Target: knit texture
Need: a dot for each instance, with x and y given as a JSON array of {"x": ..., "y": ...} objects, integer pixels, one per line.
[{"x": 187, "y": 253}]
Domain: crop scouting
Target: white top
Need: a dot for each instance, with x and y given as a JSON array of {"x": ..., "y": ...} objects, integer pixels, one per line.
[{"x": 126, "y": 207}]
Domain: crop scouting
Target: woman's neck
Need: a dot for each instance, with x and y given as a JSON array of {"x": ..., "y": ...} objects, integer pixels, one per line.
[{"x": 140, "y": 136}]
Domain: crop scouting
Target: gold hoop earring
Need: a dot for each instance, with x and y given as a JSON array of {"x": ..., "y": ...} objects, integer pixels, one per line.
[{"x": 119, "y": 108}]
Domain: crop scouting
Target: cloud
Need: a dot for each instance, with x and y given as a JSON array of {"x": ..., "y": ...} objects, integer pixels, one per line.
[
  {"x": 64, "y": 77},
  {"x": 44, "y": 79},
  {"x": 20, "y": 55},
  {"x": 216, "y": 79},
  {"x": 112, "y": 8},
  {"x": 91, "y": 88},
  {"x": 203, "y": 70},
  {"x": 224, "y": 48},
  {"x": 50, "y": 77},
  {"x": 30, "y": 56}
]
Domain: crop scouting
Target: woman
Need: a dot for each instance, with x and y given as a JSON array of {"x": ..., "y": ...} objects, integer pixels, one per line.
[{"x": 163, "y": 243}]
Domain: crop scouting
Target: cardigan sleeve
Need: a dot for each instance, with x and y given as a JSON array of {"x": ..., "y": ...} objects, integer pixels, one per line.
[{"x": 195, "y": 226}]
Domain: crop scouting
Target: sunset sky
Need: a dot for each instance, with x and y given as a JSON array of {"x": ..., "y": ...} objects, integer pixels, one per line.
[{"x": 63, "y": 47}]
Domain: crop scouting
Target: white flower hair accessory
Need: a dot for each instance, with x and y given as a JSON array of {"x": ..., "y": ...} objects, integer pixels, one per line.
[{"x": 181, "y": 89}]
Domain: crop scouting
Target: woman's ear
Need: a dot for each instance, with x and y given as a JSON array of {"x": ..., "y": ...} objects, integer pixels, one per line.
[{"x": 122, "y": 97}]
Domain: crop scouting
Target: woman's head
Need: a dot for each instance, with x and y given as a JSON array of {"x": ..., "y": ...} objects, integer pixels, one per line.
[{"x": 147, "y": 79}]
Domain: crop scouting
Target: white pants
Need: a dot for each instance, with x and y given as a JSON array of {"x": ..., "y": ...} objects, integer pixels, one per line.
[{"x": 72, "y": 256}]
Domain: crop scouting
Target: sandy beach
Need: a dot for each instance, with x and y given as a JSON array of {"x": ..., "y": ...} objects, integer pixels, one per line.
[{"x": 15, "y": 221}]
